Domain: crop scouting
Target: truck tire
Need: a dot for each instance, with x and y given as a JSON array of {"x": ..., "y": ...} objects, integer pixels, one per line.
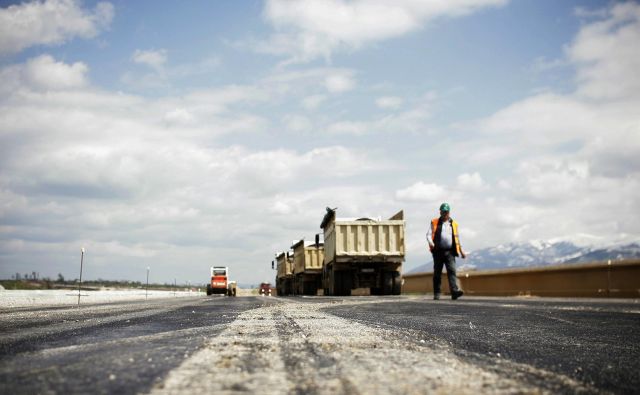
[
  {"x": 374, "y": 291},
  {"x": 335, "y": 286},
  {"x": 397, "y": 283},
  {"x": 387, "y": 283},
  {"x": 346, "y": 283},
  {"x": 331, "y": 282},
  {"x": 208, "y": 290},
  {"x": 309, "y": 288},
  {"x": 343, "y": 283}
]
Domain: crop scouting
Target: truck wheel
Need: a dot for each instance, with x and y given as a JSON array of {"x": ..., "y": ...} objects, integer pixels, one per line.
[
  {"x": 335, "y": 286},
  {"x": 346, "y": 283},
  {"x": 309, "y": 288},
  {"x": 387, "y": 283},
  {"x": 374, "y": 291},
  {"x": 397, "y": 283},
  {"x": 343, "y": 280},
  {"x": 208, "y": 290},
  {"x": 331, "y": 289}
]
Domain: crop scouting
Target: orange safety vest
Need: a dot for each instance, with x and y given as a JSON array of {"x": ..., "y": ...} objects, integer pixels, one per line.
[{"x": 456, "y": 240}]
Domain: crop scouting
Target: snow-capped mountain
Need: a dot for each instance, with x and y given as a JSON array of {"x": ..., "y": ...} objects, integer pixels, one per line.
[{"x": 539, "y": 253}]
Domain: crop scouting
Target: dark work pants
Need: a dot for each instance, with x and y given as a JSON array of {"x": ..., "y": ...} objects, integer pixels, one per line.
[{"x": 444, "y": 258}]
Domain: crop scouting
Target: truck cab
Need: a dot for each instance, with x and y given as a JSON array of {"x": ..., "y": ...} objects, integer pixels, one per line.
[
  {"x": 265, "y": 289},
  {"x": 219, "y": 280}
]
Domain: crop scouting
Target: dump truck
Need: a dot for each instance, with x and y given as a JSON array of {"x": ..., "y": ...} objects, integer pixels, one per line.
[
  {"x": 218, "y": 283},
  {"x": 265, "y": 289},
  {"x": 284, "y": 277},
  {"x": 363, "y": 253},
  {"x": 232, "y": 288},
  {"x": 307, "y": 267}
]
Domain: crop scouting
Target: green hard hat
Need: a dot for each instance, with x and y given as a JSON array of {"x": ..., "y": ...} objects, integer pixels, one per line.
[{"x": 445, "y": 207}]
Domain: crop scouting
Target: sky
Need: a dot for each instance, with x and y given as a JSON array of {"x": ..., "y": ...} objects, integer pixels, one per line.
[{"x": 182, "y": 135}]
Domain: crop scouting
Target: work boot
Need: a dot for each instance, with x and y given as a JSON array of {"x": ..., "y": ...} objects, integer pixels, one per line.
[
  {"x": 456, "y": 294},
  {"x": 436, "y": 296}
]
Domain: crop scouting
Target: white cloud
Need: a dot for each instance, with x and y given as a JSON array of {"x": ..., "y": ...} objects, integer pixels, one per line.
[
  {"x": 339, "y": 82},
  {"x": 298, "y": 123},
  {"x": 552, "y": 179},
  {"x": 348, "y": 127},
  {"x": 412, "y": 120},
  {"x": 607, "y": 56},
  {"x": 542, "y": 64},
  {"x": 160, "y": 74},
  {"x": 470, "y": 182},
  {"x": 50, "y": 22},
  {"x": 551, "y": 118},
  {"x": 179, "y": 116},
  {"x": 152, "y": 58},
  {"x": 389, "y": 102},
  {"x": 312, "y": 102},
  {"x": 43, "y": 73},
  {"x": 421, "y": 191},
  {"x": 308, "y": 29},
  {"x": 281, "y": 208},
  {"x": 309, "y": 86},
  {"x": 205, "y": 66}
]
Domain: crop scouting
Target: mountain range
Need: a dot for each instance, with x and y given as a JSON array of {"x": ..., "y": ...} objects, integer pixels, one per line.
[{"x": 538, "y": 253}]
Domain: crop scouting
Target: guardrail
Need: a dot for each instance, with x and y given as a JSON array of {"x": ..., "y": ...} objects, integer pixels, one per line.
[{"x": 615, "y": 279}]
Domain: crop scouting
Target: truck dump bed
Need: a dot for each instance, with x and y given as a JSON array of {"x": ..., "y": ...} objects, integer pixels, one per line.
[
  {"x": 285, "y": 265},
  {"x": 350, "y": 240},
  {"x": 307, "y": 267},
  {"x": 284, "y": 277},
  {"x": 307, "y": 258}
]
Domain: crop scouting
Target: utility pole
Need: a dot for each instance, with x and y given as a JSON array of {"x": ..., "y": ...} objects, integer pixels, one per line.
[
  {"x": 146, "y": 292},
  {"x": 80, "y": 282}
]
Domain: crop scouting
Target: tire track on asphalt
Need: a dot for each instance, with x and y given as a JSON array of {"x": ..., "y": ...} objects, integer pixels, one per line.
[
  {"x": 309, "y": 369},
  {"x": 263, "y": 351},
  {"x": 244, "y": 357}
]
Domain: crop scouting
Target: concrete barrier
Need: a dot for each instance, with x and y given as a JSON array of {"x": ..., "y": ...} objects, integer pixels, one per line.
[{"x": 615, "y": 279}]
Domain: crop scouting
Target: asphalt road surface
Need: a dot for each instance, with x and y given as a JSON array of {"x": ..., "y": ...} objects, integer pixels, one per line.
[{"x": 323, "y": 345}]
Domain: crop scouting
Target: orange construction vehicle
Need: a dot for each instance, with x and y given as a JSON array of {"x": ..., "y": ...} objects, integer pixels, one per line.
[{"x": 219, "y": 280}]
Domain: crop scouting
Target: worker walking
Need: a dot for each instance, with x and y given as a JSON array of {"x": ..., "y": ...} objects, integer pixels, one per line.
[{"x": 444, "y": 245}]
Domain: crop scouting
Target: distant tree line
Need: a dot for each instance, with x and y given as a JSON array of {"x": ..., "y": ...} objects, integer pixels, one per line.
[{"x": 33, "y": 281}]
